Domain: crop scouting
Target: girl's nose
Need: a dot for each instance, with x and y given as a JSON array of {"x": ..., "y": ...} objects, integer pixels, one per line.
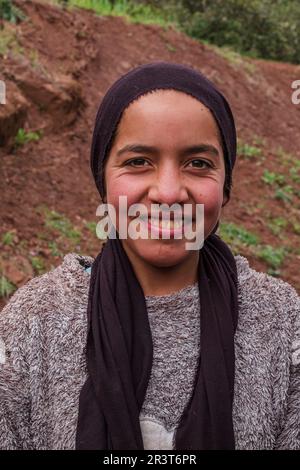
[{"x": 168, "y": 187}]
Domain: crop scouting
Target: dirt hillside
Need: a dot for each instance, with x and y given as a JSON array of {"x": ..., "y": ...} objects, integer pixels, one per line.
[{"x": 57, "y": 64}]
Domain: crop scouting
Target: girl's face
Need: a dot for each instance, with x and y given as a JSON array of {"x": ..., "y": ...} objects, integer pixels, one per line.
[{"x": 167, "y": 150}]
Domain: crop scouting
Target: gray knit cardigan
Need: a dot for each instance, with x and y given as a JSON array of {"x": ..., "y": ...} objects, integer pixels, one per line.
[{"x": 43, "y": 333}]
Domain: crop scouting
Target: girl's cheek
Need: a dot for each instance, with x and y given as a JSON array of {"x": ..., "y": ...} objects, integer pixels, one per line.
[
  {"x": 121, "y": 187},
  {"x": 211, "y": 196}
]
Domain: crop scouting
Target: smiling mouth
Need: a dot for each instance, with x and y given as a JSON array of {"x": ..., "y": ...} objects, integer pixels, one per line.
[
  {"x": 166, "y": 224},
  {"x": 172, "y": 224}
]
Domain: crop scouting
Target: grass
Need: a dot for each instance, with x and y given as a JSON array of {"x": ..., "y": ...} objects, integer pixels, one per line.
[
  {"x": 9, "y": 45},
  {"x": 242, "y": 241},
  {"x": 6, "y": 287},
  {"x": 286, "y": 186},
  {"x": 162, "y": 15},
  {"x": 99, "y": 232},
  {"x": 272, "y": 178},
  {"x": 237, "y": 237},
  {"x": 234, "y": 58},
  {"x": 285, "y": 157},
  {"x": 9, "y": 41},
  {"x": 277, "y": 225},
  {"x": 38, "y": 264},
  {"x": 136, "y": 13},
  {"x": 295, "y": 174},
  {"x": 296, "y": 227},
  {"x": 54, "y": 250},
  {"x": 8, "y": 238},
  {"x": 60, "y": 223},
  {"x": 9, "y": 12},
  {"x": 274, "y": 257},
  {"x": 170, "y": 47},
  {"x": 63, "y": 225},
  {"x": 248, "y": 151},
  {"x": 258, "y": 141},
  {"x": 91, "y": 226},
  {"x": 284, "y": 194},
  {"x": 33, "y": 57},
  {"x": 23, "y": 137}
]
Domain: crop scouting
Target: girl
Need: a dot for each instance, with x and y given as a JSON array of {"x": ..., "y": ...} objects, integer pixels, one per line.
[{"x": 153, "y": 345}]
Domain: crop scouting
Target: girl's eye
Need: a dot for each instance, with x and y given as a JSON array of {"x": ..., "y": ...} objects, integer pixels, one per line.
[
  {"x": 136, "y": 162},
  {"x": 199, "y": 164},
  {"x": 141, "y": 162}
]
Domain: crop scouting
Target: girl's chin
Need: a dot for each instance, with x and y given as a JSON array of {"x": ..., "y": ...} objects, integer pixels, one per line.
[
  {"x": 160, "y": 262},
  {"x": 160, "y": 253}
]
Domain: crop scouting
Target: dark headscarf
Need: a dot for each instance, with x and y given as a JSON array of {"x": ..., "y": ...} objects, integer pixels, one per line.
[{"x": 119, "y": 348}]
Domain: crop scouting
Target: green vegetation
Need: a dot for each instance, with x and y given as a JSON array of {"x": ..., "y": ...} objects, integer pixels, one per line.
[
  {"x": 33, "y": 57},
  {"x": 63, "y": 225},
  {"x": 296, "y": 227},
  {"x": 258, "y": 141},
  {"x": 137, "y": 12},
  {"x": 284, "y": 185},
  {"x": 277, "y": 225},
  {"x": 274, "y": 257},
  {"x": 37, "y": 264},
  {"x": 259, "y": 28},
  {"x": 9, "y": 11},
  {"x": 295, "y": 174},
  {"x": 273, "y": 178},
  {"x": 285, "y": 158},
  {"x": 170, "y": 47},
  {"x": 285, "y": 193},
  {"x": 10, "y": 46},
  {"x": 248, "y": 151},
  {"x": 54, "y": 249},
  {"x": 242, "y": 241},
  {"x": 7, "y": 238},
  {"x": 6, "y": 287},
  {"x": 9, "y": 41},
  {"x": 91, "y": 226},
  {"x": 266, "y": 29},
  {"x": 233, "y": 57},
  {"x": 60, "y": 223},
  {"x": 237, "y": 237},
  {"x": 23, "y": 137}
]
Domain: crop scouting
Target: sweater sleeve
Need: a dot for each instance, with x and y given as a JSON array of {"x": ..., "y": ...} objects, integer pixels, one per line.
[
  {"x": 289, "y": 435},
  {"x": 14, "y": 371}
]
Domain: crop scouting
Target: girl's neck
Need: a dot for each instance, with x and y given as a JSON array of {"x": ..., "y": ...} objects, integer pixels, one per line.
[{"x": 157, "y": 280}]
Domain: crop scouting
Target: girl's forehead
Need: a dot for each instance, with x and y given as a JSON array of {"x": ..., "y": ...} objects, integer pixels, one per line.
[
  {"x": 163, "y": 97},
  {"x": 172, "y": 110}
]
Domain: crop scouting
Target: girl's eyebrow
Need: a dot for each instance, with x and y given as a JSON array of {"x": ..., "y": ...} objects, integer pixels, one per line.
[
  {"x": 137, "y": 148},
  {"x": 193, "y": 149}
]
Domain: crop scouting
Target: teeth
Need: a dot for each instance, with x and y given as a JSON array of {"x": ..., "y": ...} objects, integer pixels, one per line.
[
  {"x": 166, "y": 224},
  {"x": 155, "y": 222},
  {"x": 177, "y": 224}
]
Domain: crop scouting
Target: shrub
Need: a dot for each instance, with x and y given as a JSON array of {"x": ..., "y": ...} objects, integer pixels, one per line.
[
  {"x": 9, "y": 12},
  {"x": 259, "y": 28}
]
